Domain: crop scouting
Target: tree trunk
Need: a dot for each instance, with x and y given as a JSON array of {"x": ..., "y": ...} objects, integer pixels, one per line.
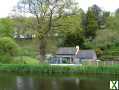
[{"x": 42, "y": 49}]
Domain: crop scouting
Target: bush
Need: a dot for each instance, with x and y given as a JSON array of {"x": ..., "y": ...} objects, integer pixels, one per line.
[
  {"x": 8, "y": 49},
  {"x": 27, "y": 52},
  {"x": 25, "y": 60},
  {"x": 99, "y": 52},
  {"x": 7, "y": 45}
]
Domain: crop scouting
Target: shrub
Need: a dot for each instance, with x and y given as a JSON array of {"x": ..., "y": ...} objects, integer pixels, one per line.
[
  {"x": 7, "y": 45},
  {"x": 25, "y": 60},
  {"x": 27, "y": 52},
  {"x": 99, "y": 52},
  {"x": 8, "y": 49}
]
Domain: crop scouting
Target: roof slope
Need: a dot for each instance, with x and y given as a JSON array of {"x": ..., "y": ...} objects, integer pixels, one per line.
[
  {"x": 83, "y": 54},
  {"x": 66, "y": 50},
  {"x": 86, "y": 54}
]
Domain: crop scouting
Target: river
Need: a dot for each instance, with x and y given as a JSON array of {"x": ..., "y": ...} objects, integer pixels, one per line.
[{"x": 37, "y": 82}]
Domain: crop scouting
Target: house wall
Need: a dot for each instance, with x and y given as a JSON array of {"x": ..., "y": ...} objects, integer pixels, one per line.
[
  {"x": 76, "y": 60},
  {"x": 60, "y": 59},
  {"x": 70, "y": 59}
]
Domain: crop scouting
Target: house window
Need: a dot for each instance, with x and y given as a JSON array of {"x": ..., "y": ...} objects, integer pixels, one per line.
[{"x": 66, "y": 60}]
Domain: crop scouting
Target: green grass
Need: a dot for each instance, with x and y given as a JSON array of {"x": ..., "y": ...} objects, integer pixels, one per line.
[{"x": 50, "y": 70}]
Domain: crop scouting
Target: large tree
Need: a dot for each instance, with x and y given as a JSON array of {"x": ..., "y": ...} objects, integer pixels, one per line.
[
  {"x": 46, "y": 12},
  {"x": 92, "y": 25},
  {"x": 73, "y": 33},
  {"x": 98, "y": 14}
]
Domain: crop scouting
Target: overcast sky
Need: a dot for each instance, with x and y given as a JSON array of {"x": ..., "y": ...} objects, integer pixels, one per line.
[{"x": 110, "y": 5}]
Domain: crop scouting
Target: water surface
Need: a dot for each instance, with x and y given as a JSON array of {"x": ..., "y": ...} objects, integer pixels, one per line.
[{"x": 37, "y": 82}]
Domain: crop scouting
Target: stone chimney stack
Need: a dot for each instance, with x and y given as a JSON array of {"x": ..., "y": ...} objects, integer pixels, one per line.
[{"x": 77, "y": 49}]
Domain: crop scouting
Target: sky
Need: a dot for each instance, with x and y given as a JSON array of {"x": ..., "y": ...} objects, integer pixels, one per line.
[{"x": 110, "y": 5}]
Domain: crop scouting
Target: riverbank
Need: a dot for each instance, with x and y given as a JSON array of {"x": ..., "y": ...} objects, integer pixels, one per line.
[{"x": 50, "y": 70}]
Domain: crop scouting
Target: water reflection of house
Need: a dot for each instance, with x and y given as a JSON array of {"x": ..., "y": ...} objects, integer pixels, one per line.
[{"x": 72, "y": 55}]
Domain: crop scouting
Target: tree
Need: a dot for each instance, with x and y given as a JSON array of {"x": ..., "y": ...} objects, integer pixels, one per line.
[
  {"x": 96, "y": 9},
  {"x": 98, "y": 14},
  {"x": 46, "y": 12},
  {"x": 92, "y": 25},
  {"x": 73, "y": 33},
  {"x": 83, "y": 21},
  {"x": 6, "y": 27},
  {"x": 112, "y": 23},
  {"x": 71, "y": 40},
  {"x": 8, "y": 49},
  {"x": 117, "y": 12}
]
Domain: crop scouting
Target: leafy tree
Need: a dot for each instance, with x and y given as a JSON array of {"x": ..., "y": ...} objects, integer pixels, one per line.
[
  {"x": 6, "y": 27},
  {"x": 83, "y": 22},
  {"x": 8, "y": 49},
  {"x": 112, "y": 23},
  {"x": 23, "y": 25},
  {"x": 73, "y": 39},
  {"x": 92, "y": 25},
  {"x": 46, "y": 12},
  {"x": 74, "y": 36},
  {"x": 117, "y": 12},
  {"x": 96, "y": 9}
]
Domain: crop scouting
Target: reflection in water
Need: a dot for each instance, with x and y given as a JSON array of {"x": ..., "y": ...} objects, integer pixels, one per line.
[
  {"x": 24, "y": 83},
  {"x": 55, "y": 85},
  {"x": 36, "y": 83},
  {"x": 77, "y": 81}
]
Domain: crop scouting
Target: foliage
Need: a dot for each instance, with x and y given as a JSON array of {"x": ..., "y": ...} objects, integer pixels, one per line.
[
  {"x": 104, "y": 39},
  {"x": 117, "y": 11},
  {"x": 71, "y": 31},
  {"x": 99, "y": 52},
  {"x": 23, "y": 25},
  {"x": 113, "y": 23},
  {"x": 92, "y": 25},
  {"x": 27, "y": 52},
  {"x": 99, "y": 17},
  {"x": 57, "y": 27},
  {"x": 58, "y": 70},
  {"x": 6, "y": 27},
  {"x": 8, "y": 49},
  {"x": 24, "y": 60},
  {"x": 46, "y": 13},
  {"x": 73, "y": 40},
  {"x": 7, "y": 45}
]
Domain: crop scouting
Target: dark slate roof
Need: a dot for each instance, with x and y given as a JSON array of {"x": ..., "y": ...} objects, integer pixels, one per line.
[
  {"x": 66, "y": 51},
  {"x": 83, "y": 54},
  {"x": 86, "y": 54}
]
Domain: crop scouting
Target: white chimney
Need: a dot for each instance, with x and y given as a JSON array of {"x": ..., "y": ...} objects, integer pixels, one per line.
[{"x": 77, "y": 49}]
